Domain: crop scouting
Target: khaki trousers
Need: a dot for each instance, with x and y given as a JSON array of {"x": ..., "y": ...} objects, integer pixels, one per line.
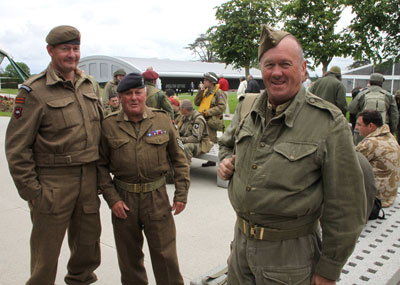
[
  {"x": 149, "y": 212},
  {"x": 68, "y": 200},
  {"x": 272, "y": 262}
]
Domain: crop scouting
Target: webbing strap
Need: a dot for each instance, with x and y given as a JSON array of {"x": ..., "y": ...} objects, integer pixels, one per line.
[{"x": 141, "y": 187}]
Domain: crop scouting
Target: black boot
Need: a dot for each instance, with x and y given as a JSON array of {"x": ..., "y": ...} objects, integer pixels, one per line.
[{"x": 208, "y": 163}]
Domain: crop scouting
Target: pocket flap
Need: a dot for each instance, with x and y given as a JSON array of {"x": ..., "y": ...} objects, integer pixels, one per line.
[
  {"x": 60, "y": 103},
  {"x": 91, "y": 208},
  {"x": 160, "y": 139},
  {"x": 295, "y": 151},
  {"x": 91, "y": 96},
  {"x": 117, "y": 143}
]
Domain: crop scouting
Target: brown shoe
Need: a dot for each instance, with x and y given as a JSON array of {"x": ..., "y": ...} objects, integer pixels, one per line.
[{"x": 208, "y": 163}]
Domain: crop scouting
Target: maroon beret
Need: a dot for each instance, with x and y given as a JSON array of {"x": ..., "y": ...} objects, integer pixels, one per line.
[{"x": 150, "y": 75}]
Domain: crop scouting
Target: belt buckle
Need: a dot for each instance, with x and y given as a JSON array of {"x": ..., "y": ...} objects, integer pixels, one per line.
[
  {"x": 253, "y": 231},
  {"x": 144, "y": 187}
]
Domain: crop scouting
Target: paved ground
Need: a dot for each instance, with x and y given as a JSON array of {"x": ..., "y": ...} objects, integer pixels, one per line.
[{"x": 204, "y": 230}]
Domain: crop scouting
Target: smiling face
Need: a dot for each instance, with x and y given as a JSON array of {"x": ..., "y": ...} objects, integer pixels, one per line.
[
  {"x": 283, "y": 69},
  {"x": 64, "y": 57},
  {"x": 133, "y": 102}
]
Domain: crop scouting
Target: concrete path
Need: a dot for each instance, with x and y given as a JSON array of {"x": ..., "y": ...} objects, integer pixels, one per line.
[{"x": 204, "y": 230}]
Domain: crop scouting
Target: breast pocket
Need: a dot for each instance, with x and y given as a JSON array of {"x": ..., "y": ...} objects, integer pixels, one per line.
[
  {"x": 92, "y": 105},
  {"x": 63, "y": 113},
  {"x": 156, "y": 149},
  {"x": 120, "y": 152}
]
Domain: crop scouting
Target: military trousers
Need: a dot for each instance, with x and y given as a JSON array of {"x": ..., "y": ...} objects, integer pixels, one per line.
[
  {"x": 150, "y": 213},
  {"x": 212, "y": 134},
  {"x": 191, "y": 149},
  {"x": 68, "y": 201},
  {"x": 272, "y": 262}
]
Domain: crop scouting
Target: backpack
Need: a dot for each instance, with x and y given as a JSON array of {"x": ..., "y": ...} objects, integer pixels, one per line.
[
  {"x": 376, "y": 209},
  {"x": 376, "y": 101}
]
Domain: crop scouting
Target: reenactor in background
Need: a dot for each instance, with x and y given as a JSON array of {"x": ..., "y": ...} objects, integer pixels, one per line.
[
  {"x": 111, "y": 86},
  {"x": 192, "y": 128},
  {"x": 174, "y": 100},
  {"x": 156, "y": 98},
  {"x": 291, "y": 164},
  {"x": 112, "y": 106},
  {"x": 376, "y": 98},
  {"x": 252, "y": 85},
  {"x": 135, "y": 143},
  {"x": 397, "y": 98},
  {"x": 51, "y": 146},
  {"x": 331, "y": 88},
  {"x": 212, "y": 103},
  {"x": 242, "y": 88}
]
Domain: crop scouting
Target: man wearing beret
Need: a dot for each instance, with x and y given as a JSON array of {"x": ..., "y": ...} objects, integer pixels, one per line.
[
  {"x": 292, "y": 166},
  {"x": 51, "y": 146},
  {"x": 135, "y": 144},
  {"x": 156, "y": 98},
  {"x": 376, "y": 98},
  {"x": 331, "y": 88},
  {"x": 111, "y": 86},
  {"x": 212, "y": 103}
]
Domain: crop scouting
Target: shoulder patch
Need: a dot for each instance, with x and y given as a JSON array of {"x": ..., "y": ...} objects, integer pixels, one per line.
[{"x": 26, "y": 88}]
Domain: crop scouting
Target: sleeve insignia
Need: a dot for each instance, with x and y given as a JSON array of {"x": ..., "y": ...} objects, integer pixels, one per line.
[
  {"x": 180, "y": 144},
  {"x": 26, "y": 88},
  {"x": 196, "y": 126},
  {"x": 17, "y": 112}
]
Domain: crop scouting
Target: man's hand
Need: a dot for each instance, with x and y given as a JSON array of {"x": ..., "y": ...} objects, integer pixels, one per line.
[
  {"x": 178, "y": 207},
  {"x": 319, "y": 280},
  {"x": 119, "y": 209},
  {"x": 226, "y": 168}
]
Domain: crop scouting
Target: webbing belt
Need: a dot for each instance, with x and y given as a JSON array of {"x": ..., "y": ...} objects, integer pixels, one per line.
[
  {"x": 261, "y": 233},
  {"x": 140, "y": 188}
]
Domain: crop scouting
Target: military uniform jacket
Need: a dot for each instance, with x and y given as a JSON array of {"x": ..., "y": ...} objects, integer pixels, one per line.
[
  {"x": 193, "y": 128},
  {"x": 218, "y": 102},
  {"x": 156, "y": 98},
  {"x": 109, "y": 89},
  {"x": 332, "y": 90},
  {"x": 141, "y": 157},
  {"x": 54, "y": 124},
  {"x": 392, "y": 114},
  {"x": 288, "y": 169},
  {"x": 110, "y": 109}
]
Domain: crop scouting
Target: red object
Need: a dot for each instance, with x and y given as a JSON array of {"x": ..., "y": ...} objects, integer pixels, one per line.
[
  {"x": 150, "y": 75},
  {"x": 173, "y": 101},
  {"x": 223, "y": 84}
]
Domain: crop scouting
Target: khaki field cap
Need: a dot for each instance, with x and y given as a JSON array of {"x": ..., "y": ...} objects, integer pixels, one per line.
[
  {"x": 269, "y": 39},
  {"x": 335, "y": 70},
  {"x": 211, "y": 76},
  {"x": 377, "y": 77},
  {"x": 64, "y": 35}
]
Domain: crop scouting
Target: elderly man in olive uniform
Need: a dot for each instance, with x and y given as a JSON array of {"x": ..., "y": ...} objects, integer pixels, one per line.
[
  {"x": 331, "y": 88},
  {"x": 291, "y": 163},
  {"x": 134, "y": 147},
  {"x": 192, "y": 128},
  {"x": 212, "y": 103},
  {"x": 111, "y": 86},
  {"x": 51, "y": 146},
  {"x": 156, "y": 98}
]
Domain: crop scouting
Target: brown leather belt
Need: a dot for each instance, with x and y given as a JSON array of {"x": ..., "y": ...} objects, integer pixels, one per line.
[{"x": 140, "y": 187}]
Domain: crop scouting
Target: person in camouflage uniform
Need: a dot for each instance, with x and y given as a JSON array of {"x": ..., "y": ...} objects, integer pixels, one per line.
[
  {"x": 397, "y": 97},
  {"x": 383, "y": 153},
  {"x": 112, "y": 106},
  {"x": 111, "y": 86},
  {"x": 156, "y": 98}
]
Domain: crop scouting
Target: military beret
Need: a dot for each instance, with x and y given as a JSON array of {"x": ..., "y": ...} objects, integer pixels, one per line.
[
  {"x": 150, "y": 75},
  {"x": 377, "y": 77},
  {"x": 336, "y": 70},
  {"x": 132, "y": 80},
  {"x": 64, "y": 35},
  {"x": 119, "y": 71},
  {"x": 211, "y": 76},
  {"x": 269, "y": 38}
]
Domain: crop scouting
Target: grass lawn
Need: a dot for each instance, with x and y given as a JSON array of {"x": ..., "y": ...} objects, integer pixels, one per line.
[
  {"x": 9, "y": 91},
  {"x": 5, "y": 114}
]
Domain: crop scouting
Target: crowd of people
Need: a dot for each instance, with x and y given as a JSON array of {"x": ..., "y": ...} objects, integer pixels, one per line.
[{"x": 292, "y": 160}]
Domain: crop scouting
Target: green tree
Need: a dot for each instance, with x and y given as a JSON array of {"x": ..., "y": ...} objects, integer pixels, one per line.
[
  {"x": 376, "y": 29},
  {"x": 235, "y": 38},
  {"x": 313, "y": 23},
  {"x": 11, "y": 72},
  {"x": 201, "y": 48}
]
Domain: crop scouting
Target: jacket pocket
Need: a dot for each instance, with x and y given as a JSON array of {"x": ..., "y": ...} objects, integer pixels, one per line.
[
  {"x": 119, "y": 153},
  {"x": 295, "y": 151},
  {"x": 156, "y": 149},
  {"x": 63, "y": 113},
  {"x": 92, "y": 106}
]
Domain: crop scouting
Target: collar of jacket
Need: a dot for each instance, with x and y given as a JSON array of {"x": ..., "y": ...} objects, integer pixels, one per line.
[
  {"x": 150, "y": 83},
  {"x": 123, "y": 117},
  {"x": 53, "y": 76},
  {"x": 381, "y": 131},
  {"x": 289, "y": 114}
]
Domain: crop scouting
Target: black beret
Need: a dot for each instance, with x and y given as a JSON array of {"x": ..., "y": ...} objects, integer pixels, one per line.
[
  {"x": 132, "y": 80},
  {"x": 64, "y": 35}
]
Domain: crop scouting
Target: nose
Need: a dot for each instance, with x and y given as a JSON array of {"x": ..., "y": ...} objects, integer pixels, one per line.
[{"x": 276, "y": 70}]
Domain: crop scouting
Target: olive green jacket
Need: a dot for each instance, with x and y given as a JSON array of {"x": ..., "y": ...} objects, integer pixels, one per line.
[
  {"x": 301, "y": 162},
  {"x": 109, "y": 89},
  {"x": 156, "y": 98},
  {"x": 192, "y": 129},
  {"x": 332, "y": 90}
]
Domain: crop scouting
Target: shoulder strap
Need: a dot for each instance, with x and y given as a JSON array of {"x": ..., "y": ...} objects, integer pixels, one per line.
[{"x": 247, "y": 104}]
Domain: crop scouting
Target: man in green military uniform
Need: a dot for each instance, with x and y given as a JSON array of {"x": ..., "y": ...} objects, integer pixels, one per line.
[
  {"x": 156, "y": 98},
  {"x": 212, "y": 103},
  {"x": 331, "y": 88},
  {"x": 51, "y": 146},
  {"x": 192, "y": 128},
  {"x": 376, "y": 98},
  {"x": 112, "y": 106},
  {"x": 112, "y": 85},
  {"x": 134, "y": 147},
  {"x": 292, "y": 164}
]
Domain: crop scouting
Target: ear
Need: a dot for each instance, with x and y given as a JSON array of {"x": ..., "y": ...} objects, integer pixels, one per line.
[{"x": 50, "y": 49}]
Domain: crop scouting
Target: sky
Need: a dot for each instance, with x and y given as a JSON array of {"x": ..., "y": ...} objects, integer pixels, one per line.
[{"x": 145, "y": 29}]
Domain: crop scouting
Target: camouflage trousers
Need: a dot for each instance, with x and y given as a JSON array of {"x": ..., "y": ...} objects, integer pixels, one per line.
[{"x": 272, "y": 262}]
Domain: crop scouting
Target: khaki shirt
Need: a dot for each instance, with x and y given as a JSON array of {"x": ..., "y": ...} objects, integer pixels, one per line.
[
  {"x": 141, "y": 156},
  {"x": 54, "y": 124},
  {"x": 218, "y": 102},
  {"x": 291, "y": 167},
  {"x": 110, "y": 109},
  {"x": 109, "y": 89},
  {"x": 192, "y": 129}
]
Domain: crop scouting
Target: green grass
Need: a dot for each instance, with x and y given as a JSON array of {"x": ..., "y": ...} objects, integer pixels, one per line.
[
  {"x": 5, "y": 114},
  {"x": 9, "y": 91}
]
